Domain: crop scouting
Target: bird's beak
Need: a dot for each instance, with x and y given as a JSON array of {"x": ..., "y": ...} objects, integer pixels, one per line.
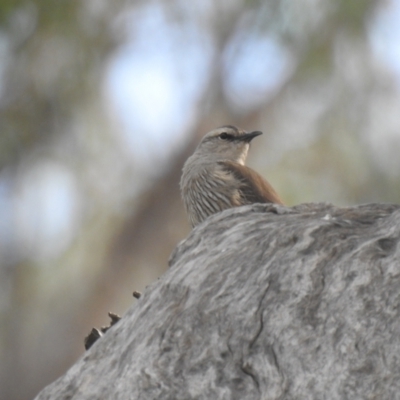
[{"x": 248, "y": 137}]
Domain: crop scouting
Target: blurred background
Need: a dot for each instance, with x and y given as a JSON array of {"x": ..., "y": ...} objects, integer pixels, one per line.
[{"x": 102, "y": 101}]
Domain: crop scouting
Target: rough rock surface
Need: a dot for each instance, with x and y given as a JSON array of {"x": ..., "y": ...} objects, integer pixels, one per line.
[{"x": 261, "y": 302}]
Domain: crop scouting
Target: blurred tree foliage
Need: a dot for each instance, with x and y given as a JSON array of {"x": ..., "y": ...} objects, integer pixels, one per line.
[{"x": 332, "y": 129}]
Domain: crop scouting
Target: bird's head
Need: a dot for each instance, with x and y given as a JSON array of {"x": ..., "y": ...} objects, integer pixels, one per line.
[{"x": 226, "y": 143}]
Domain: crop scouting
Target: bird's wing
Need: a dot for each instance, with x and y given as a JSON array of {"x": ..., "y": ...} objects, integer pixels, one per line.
[{"x": 253, "y": 188}]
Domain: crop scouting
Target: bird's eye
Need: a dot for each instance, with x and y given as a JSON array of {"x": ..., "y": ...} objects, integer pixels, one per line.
[{"x": 226, "y": 136}]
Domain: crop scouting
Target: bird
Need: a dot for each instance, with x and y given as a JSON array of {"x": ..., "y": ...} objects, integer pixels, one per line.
[{"x": 215, "y": 177}]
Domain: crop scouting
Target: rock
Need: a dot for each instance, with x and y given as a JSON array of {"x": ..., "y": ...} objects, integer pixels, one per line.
[{"x": 261, "y": 302}]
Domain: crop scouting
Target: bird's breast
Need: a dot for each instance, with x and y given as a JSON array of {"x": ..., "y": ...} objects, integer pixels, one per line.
[{"x": 208, "y": 191}]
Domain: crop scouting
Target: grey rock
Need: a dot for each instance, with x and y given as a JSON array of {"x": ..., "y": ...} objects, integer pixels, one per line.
[{"x": 261, "y": 302}]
